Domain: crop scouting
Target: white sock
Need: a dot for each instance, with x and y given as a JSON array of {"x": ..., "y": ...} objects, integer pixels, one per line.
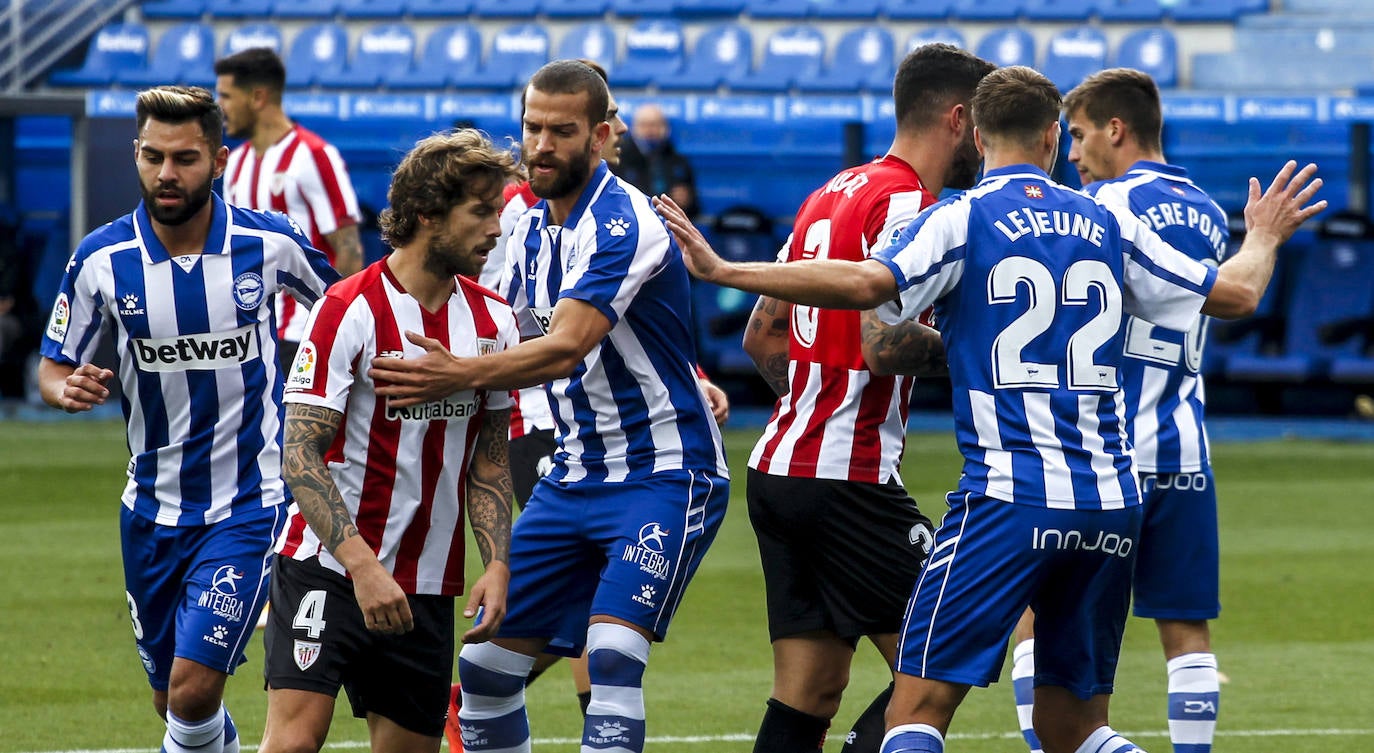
[
  {"x": 913, "y": 738},
  {"x": 1194, "y": 697},
  {"x": 1106, "y": 740},
  {"x": 204, "y": 736},
  {"x": 616, "y": 659},
  {"x": 492, "y": 716},
  {"x": 1023, "y": 689}
]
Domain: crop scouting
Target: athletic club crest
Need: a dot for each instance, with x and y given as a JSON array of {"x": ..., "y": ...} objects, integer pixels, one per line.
[
  {"x": 485, "y": 346},
  {"x": 306, "y": 652}
]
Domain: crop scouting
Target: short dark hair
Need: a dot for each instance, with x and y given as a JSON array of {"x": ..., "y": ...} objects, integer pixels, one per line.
[
  {"x": 1015, "y": 103},
  {"x": 182, "y": 104},
  {"x": 1124, "y": 93},
  {"x": 254, "y": 67},
  {"x": 575, "y": 77},
  {"x": 439, "y": 173},
  {"x": 931, "y": 78}
]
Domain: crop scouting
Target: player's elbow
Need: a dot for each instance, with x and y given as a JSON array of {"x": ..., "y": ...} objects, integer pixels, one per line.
[
  {"x": 1232, "y": 300},
  {"x": 870, "y": 286}
]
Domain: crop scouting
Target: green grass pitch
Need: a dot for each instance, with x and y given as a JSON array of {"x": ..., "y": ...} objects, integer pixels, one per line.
[{"x": 1296, "y": 636}]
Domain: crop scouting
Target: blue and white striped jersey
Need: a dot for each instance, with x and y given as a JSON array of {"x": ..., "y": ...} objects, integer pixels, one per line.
[
  {"x": 633, "y": 406},
  {"x": 1031, "y": 283},
  {"x": 196, "y": 341},
  {"x": 1164, "y": 393}
]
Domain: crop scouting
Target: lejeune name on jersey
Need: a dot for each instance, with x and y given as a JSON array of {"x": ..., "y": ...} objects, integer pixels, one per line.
[
  {"x": 212, "y": 350},
  {"x": 1025, "y": 221},
  {"x": 439, "y": 410},
  {"x": 1172, "y": 213}
]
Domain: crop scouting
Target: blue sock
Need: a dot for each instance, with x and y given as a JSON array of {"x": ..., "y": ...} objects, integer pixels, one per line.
[
  {"x": 204, "y": 736},
  {"x": 1023, "y": 688},
  {"x": 1106, "y": 740},
  {"x": 492, "y": 716},
  {"x": 616, "y": 658},
  {"x": 1194, "y": 697},
  {"x": 231, "y": 734},
  {"x": 913, "y": 738}
]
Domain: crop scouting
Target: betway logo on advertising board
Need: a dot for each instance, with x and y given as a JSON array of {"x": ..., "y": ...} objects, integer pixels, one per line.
[{"x": 205, "y": 352}]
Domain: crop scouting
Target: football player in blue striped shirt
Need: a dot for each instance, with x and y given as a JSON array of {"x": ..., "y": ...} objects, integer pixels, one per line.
[
  {"x": 1031, "y": 283},
  {"x": 184, "y": 288}
]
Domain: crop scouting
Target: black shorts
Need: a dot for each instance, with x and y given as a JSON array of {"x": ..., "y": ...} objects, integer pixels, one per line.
[
  {"x": 527, "y": 455},
  {"x": 841, "y": 556},
  {"x": 316, "y": 640}
]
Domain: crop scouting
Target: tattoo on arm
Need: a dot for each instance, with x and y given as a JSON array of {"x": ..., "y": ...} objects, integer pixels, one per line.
[
  {"x": 310, "y": 429},
  {"x": 348, "y": 249},
  {"x": 769, "y": 325},
  {"x": 906, "y": 348},
  {"x": 489, "y": 491}
]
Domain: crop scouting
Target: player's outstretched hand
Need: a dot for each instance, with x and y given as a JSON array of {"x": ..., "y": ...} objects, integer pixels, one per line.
[
  {"x": 85, "y": 388},
  {"x": 700, "y": 258},
  {"x": 383, "y": 603},
  {"x": 489, "y": 593},
  {"x": 412, "y": 381},
  {"x": 1283, "y": 207}
]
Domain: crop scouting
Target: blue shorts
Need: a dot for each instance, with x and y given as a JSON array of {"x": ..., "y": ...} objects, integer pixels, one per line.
[
  {"x": 991, "y": 560},
  {"x": 1177, "y": 571},
  {"x": 195, "y": 591},
  {"x": 625, "y": 550}
]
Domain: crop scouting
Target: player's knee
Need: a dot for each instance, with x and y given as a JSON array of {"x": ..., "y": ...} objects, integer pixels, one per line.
[
  {"x": 616, "y": 655},
  {"x": 290, "y": 739},
  {"x": 491, "y": 676}
]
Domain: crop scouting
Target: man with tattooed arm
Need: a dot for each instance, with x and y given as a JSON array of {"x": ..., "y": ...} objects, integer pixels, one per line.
[{"x": 371, "y": 560}]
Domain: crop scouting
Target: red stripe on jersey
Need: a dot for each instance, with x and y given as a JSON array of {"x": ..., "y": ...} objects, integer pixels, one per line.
[
  {"x": 328, "y": 177},
  {"x": 866, "y": 453},
  {"x": 379, "y": 477},
  {"x": 236, "y": 158},
  {"x": 294, "y": 536}
]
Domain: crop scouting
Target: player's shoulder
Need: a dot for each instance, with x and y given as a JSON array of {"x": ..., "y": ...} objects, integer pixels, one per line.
[
  {"x": 267, "y": 222},
  {"x": 119, "y": 232},
  {"x": 311, "y": 140},
  {"x": 477, "y": 288}
]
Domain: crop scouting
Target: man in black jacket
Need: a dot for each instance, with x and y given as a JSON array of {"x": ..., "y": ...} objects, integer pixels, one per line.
[{"x": 649, "y": 160}]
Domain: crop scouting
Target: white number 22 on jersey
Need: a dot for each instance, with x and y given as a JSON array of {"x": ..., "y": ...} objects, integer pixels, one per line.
[{"x": 1080, "y": 279}]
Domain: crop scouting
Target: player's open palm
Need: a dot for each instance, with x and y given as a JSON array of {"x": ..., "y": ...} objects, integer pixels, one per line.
[
  {"x": 383, "y": 603},
  {"x": 488, "y": 593},
  {"x": 700, "y": 258},
  {"x": 1283, "y": 206}
]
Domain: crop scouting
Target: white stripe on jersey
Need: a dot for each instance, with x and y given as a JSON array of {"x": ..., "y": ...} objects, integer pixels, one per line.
[
  {"x": 987, "y": 428},
  {"x": 1040, "y": 422}
]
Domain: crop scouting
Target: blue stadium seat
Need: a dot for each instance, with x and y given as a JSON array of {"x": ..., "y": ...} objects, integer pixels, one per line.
[
  {"x": 1008, "y": 45},
  {"x": 644, "y": 8},
  {"x": 159, "y": 9},
  {"x": 455, "y": 9},
  {"x": 1073, "y": 54},
  {"x": 945, "y": 34},
  {"x": 653, "y": 52},
  {"x": 184, "y": 54},
  {"x": 1333, "y": 283},
  {"x": 116, "y": 47},
  {"x": 1058, "y": 10},
  {"x": 791, "y": 52},
  {"x": 845, "y": 9},
  {"x": 783, "y": 9},
  {"x": 738, "y": 233},
  {"x": 383, "y": 51},
  {"x": 986, "y": 10},
  {"x": 694, "y": 9},
  {"x": 505, "y": 8},
  {"x": 318, "y": 49},
  {"x": 359, "y": 9},
  {"x": 722, "y": 52},
  {"x": 1154, "y": 51},
  {"x": 450, "y": 55},
  {"x": 517, "y": 51},
  {"x": 863, "y": 59},
  {"x": 239, "y": 8},
  {"x": 574, "y": 8},
  {"x": 1204, "y": 11},
  {"x": 322, "y": 9},
  {"x": 917, "y": 10},
  {"x": 1129, "y": 10},
  {"x": 594, "y": 40},
  {"x": 248, "y": 36}
]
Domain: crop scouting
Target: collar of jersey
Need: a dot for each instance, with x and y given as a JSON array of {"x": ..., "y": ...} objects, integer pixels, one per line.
[
  {"x": 1158, "y": 167},
  {"x": 1015, "y": 171},
  {"x": 593, "y": 186},
  {"x": 215, "y": 243}
]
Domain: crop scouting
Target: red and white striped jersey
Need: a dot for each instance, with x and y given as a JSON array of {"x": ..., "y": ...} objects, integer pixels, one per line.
[
  {"x": 838, "y": 420},
  {"x": 401, "y": 471},
  {"x": 303, "y": 177},
  {"x": 531, "y": 412}
]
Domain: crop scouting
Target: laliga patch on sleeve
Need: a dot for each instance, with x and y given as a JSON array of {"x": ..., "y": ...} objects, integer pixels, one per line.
[
  {"x": 302, "y": 375},
  {"x": 61, "y": 317}
]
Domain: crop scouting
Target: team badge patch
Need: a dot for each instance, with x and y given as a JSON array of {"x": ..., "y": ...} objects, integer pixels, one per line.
[
  {"x": 306, "y": 652},
  {"x": 249, "y": 290},
  {"x": 303, "y": 371},
  {"x": 1034, "y": 192},
  {"x": 61, "y": 317},
  {"x": 485, "y": 346}
]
